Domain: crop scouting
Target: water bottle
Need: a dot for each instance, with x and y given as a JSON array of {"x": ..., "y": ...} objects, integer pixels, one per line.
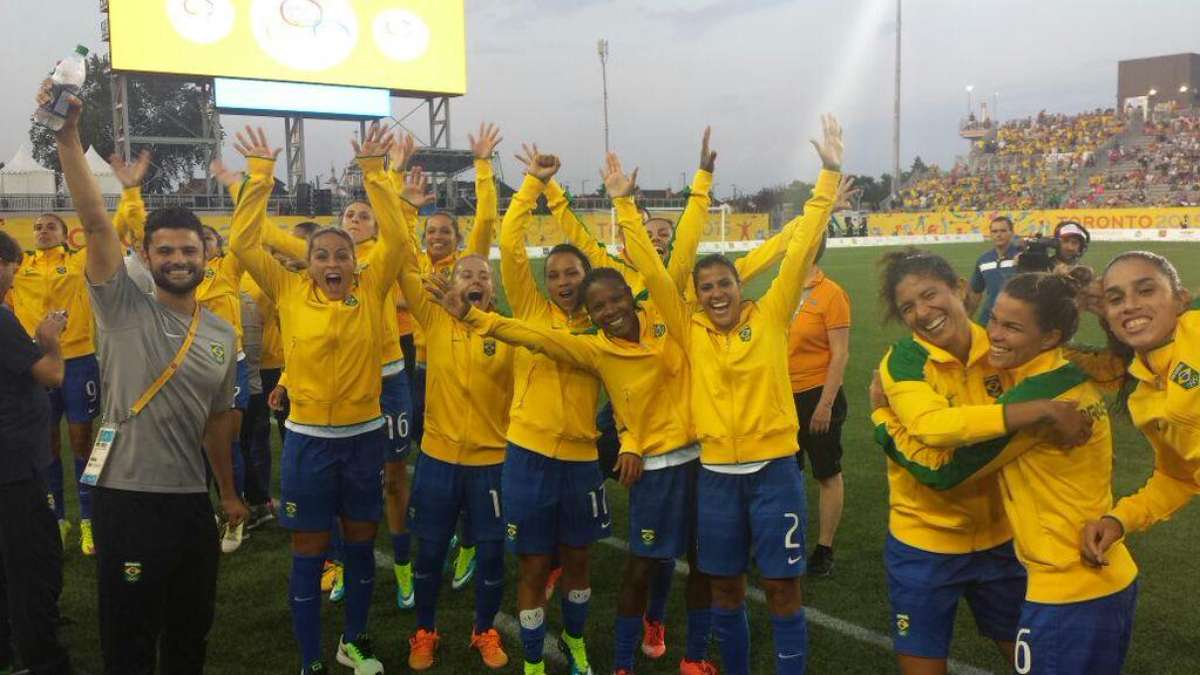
[{"x": 68, "y": 77}]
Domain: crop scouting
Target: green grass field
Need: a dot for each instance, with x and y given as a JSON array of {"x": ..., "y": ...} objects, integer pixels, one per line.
[{"x": 252, "y": 633}]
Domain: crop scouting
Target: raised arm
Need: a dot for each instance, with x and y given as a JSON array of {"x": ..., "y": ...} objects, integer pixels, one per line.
[
  {"x": 272, "y": 236},
  {"x": 781, "y": 298},
  {"x": 104, "y": 251},
  {"x": 415, "y": 194},
  {"x": 578, "y": 234},
  {"x": 515, "y": 272},
  {"x": 250, "y": 214},
  {"x": 559, "y": 345},
  {"x": 686, "y": 239},
  {"x": 487, "y": 208},
  {"x": 130, "y": 216},
  {"x": 389, "y": 254},
  {"x": 663, "y": 291}
]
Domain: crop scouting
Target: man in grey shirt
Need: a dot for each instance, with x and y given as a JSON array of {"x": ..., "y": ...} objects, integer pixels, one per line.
[{"x": 156, "y": 541}]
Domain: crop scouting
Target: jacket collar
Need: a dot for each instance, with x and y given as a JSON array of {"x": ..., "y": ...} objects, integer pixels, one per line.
[
  {"x": 979, "y": 347},
  {"x": 1042, "y": 363}
]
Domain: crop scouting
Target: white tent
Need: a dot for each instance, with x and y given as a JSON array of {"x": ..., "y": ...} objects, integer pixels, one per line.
[
  {"x": 22, "y": 175},
  {"x": 109, "y": 185}
]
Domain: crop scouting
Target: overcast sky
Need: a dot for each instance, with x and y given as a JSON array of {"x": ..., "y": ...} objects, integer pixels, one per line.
[{"x": 759, "y": 72}]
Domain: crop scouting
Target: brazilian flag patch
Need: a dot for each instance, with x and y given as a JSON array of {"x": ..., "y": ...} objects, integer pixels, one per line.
[
  {"x": 902, "y": 624},
  {"x": 648, "y": 537},
  {"x": 218, "y": 351},
  {"x": 133, "y": 572},
  {"x": 510, "y": 531},
  {"x": 1185, "y": 376}
]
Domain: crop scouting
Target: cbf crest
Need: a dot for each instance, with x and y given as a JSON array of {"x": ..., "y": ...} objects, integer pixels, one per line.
[
  {"x": 660, "y": 330},
  {"x": 351, "y": 301},
  {"x": 745, "y": 334},
  {"x": 218, "y": 351},
  {"x": 489, "y": 347},
  {"x": 209, "y": 273},
  {"x": 992, "y": 386}
]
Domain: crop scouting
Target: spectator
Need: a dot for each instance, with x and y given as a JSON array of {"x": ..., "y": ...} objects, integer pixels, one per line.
[{"x": 993, "y": 268}]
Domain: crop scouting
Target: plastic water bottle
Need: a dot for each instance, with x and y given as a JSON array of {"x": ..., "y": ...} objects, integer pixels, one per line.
[{"x": 68, "y": 78}]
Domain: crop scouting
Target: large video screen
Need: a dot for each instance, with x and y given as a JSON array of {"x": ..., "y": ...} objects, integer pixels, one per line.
[{"x": 401, "y": 45}]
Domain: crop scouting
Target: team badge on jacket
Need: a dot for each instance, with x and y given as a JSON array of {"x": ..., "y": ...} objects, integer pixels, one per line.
[
  {"x": 218, "y": 351},
  {"x": 745, "y": 334},
  {"x": 489, "y": 347},
  {"x": 1185, "y": 376}
]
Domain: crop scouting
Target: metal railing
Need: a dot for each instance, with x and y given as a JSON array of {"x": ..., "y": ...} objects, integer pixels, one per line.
[{"x": 50, "y": 203}]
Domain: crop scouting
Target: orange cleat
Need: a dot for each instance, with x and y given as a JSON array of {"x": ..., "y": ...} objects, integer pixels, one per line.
[
  {"x": 422, "y": 647},
  {"x": 697, "y": 668},
  {"x": 654, "y": 639},
  {"x": 491, "y": 650}
]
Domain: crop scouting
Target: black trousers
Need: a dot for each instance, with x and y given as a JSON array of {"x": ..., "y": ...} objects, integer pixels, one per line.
[
  {"x": 157, "y": 570},
  {"x": 255, "y": 447},
  {"x": 30, "y": 579}
]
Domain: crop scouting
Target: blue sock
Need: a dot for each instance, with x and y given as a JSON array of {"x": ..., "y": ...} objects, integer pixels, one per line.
[
  {"x": 791, "y": 643},
  {"x": 533, "y": 633},
  {"x": 660, "y": 590},
  {"x": 304, "y": 597},
  {"x": 427, "y": 580},
  {"x": 489, "y": 583},
  {"x": 732, "y": 630},
  {"x": 401, "y": 543},
  {"x": 239, "y": 469},
  {"x": 85, "y": 490},
  {"x": 335, "y": 542},
  {"x": 699, "y": 629},
  {"x": 629, "y": 635},
  {"x": 575, "y": 611},
  {"x": 360, "y": 583},
  {"x": 54, "y": 481}
]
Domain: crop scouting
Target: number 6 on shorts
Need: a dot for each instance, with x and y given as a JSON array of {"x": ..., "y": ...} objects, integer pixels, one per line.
[{"x": 1022, "y": 655}]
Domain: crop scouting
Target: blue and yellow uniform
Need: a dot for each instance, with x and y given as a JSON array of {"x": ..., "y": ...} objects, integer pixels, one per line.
[
  {"x": 946, "y": 545},
  {"x": 750, "y": 490},
  {"x": 1076, "y": 618}
]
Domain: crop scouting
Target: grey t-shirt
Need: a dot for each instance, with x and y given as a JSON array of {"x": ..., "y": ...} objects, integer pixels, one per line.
[{"x": 161, "y": 449}]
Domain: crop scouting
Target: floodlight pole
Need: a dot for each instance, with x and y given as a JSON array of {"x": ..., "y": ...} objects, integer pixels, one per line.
[
  {"x": 120, "y": 111},
  {"x": 602, "y": 50},
  {"x": 293, "y": 131},
  {"x": 896, "y": 118}
]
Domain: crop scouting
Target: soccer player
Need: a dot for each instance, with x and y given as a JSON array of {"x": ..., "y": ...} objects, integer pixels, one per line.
[
  {"x": 52, "y": 279},
  {"x": 994, "y": 267},
  {"x": 750, "y": 490},
  {"x": 469, "y": 391},
  {"x": 942, "y": 546},
  {"x": 1076, "y": 619},
  {"x": 818, "y": 351},
  {"x": 333, "y": 455},
  {"x": 1153, "y": 324}
]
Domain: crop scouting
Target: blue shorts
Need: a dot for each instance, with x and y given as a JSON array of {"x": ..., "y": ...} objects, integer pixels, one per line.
[
  {"x": 321, "y": 478},
  {"x": 396, "y": 403},
  {"x": 441, "y": 491},
  {"x": 79, "y": 396},
  {"x": 1079, "y": 638},
  {"x": 662, "y": 511},
  {"x": 241, "y": 390},
  {"x": 548, "y": 502},
  {"x": 925, "y": 587},
  {"x": 761, "y": 514}
]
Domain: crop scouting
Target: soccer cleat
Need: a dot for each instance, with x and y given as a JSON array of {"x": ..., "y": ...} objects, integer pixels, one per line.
[
  {"x": 358, "y": 655},
  {"x": 329, "y": 572},
  {"x": 314, "y": 668},
  {"x": 338, "y": 591},
  {"x": 259, "y": 515},
  {"x": 697, "y": 668},
  {"x": 405, "y": 599},
  {"x": 820, "y": 563},
  {"x": 576, "y": 653},
  {"x": 654, "y": 638},
  {"x": 422, "y": 647},
  {"x": 87, "y": 543},
  {"x": 231, "y": 539},
  {"x": 552, "y": 582},
  {"x": 464, "y": 568},
  {"x": 538, "y": 668},
  {"x": 491, "y": 650},
  {"x": 64, "y": 528}
]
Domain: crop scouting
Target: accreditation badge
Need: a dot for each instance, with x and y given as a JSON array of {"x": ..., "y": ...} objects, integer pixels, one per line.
[{"x": 100, "y": 450}]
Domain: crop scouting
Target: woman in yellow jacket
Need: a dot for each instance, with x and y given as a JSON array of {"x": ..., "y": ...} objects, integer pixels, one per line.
[
  {"x": 331, "y": 322},
  {"x": 1154, "y": 328},
  {"x": 942, "y": 546},
  {"x": 1076, "y": 619},
  {"x": 750, "y": 491}
]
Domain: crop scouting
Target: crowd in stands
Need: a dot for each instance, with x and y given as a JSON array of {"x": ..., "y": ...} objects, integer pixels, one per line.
[{"x": 1159, "y": 171}]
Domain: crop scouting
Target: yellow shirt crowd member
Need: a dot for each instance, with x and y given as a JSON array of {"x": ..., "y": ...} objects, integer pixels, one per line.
[
  {"x": 332, "y": 348},
  {"x": 50, "y": 280},
  {"x": 739, "y": 417},
  {"x": 554, "y": 401},
  {"x": 1049, "y": 492},
  {"x": 469, "y": 388},
  {"x": 944, "y": 403}
]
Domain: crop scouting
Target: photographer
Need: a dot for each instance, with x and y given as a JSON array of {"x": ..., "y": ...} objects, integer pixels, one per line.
[{"x": 1059, "y": 253}]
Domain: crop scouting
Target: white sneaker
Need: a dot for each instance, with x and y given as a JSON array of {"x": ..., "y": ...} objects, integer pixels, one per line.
[{"x": 232, "y": 537}]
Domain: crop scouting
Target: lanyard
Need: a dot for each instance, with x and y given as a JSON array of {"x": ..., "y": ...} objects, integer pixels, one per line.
[{"x": 169, "y": 372}]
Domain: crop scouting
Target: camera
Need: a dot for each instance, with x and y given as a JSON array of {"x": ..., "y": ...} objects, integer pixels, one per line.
[{"x": 1040, "y": 255}]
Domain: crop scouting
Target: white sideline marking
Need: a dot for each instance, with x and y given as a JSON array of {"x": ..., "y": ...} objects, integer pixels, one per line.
[
  {"x": 506, "y": 624},
  {"x": 818, "y": 617}
]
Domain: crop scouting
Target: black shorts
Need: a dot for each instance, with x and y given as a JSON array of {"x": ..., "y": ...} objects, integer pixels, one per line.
[{"x": 824, "y": 450}]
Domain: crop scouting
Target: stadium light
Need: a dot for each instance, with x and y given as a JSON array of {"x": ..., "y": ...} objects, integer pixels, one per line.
[
  {"x": 1183, "y": 88},
  {"x": 602, "y": 51},
  {"x": 970, "y": 88},
  {"x": 1152, "y": 92}
]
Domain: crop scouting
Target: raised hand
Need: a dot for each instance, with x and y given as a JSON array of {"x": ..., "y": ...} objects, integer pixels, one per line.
[
  {"x": 131, "y": 174},
  {"x": 708, "y": 158},
  {"x": 830, "y": 148},
  {"x": 541, "y": 167},
  {"x": 416, "y": 188},
  {"x": 485, "y": 144},
  {"x": 846, "y": 194},
  {"x": 375, "y": 144},
  {"x": 615, "y": 181},
  {"x": 224, "y": 175},
  {"x": 401, "y": 152},
  {"x": 254, "y": 144},
  {"x": 441, "y": 291},
  {"x": 70, "y": 127}
]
